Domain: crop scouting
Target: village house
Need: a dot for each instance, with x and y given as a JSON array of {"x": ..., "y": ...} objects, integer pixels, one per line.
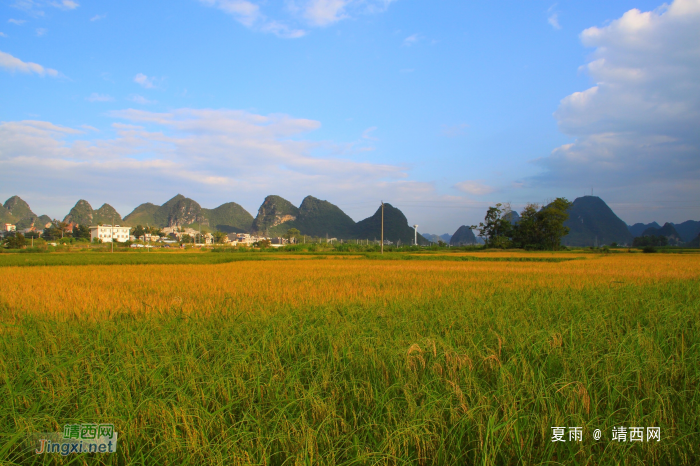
[{"x": 109, "y": 233}]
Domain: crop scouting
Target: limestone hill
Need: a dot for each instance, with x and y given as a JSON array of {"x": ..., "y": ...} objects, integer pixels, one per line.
[{"x": 591, "y": 221}]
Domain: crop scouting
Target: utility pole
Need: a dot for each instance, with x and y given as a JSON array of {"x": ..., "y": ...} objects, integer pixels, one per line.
[
  {"x": 415, "y": 236},
  {"x": 382, "y": 227},
  {"x": 112, "y": 230}
]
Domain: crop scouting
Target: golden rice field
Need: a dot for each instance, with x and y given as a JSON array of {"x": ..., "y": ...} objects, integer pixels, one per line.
[{"x": 344, "y": 360}]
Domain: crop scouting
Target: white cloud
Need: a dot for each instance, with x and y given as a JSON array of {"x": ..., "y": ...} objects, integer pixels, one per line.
[
  {"x": 223, "y": 154},
  {"x": 325, "y": 12},
  {"x": 281, "y": 30},
  {"x": 248, "y": 14},
  {"x": 474, "y": 187},
  {"x": 302, "y": 13},
  {"x": 17, "y": 22},
  {"x": 411, "y": 40},
  {"x": 638, "y": 126},
  {"x": 139, "y": 99},
  {"x": 553, "y": 20},
  {"x": 2, "y": 34},
  {"x": 553, "y": 17},
  {"x": 95, "y": 97},
  {"x": 13, "y": 64},
  {"x": 367, "y": 134},
  {"x": 40, "y": 32},
  {"x": 66, "y": 5},
  {"x": 145, "y": 81},
  {"x": 245, "y": 12},
  {"x": 98, "y": 17},
  {"x": 35, "y": 7}
]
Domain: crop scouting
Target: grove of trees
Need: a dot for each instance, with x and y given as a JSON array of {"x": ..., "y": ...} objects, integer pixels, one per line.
[{"x": 539, "y": 227}]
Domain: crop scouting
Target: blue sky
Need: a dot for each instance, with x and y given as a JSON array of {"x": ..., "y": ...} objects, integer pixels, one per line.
[{"x": 441, "y": 108}]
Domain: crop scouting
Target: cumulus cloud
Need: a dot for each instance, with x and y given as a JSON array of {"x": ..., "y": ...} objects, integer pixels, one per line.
[
  {"x": 98, "y": 17},
  {"x": 2, "y": 34},
  {"x": 13, "y": 64},
  {"x": 95, "y": 97},
  {"x": 17, "y": 22},
  {"x": 40, "y": 32},
  {"x": 300, "y": 14},
  {"x": 638, "y": 126},
  {"x": 474, "y": 187}
]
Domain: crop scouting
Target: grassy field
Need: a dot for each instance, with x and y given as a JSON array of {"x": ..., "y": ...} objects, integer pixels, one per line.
[{"x": 209, "y": 358}]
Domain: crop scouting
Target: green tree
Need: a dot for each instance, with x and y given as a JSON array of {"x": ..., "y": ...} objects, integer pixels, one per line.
[
  {"x": 139, "y": 231},
  {"x": 527, "y": 233},
  {"x": 495, "y": 229},
  {"x": 551, "y": 219},
  {"x": 16, "y": 241},
  {"x": 219, "y": 237},
  {"x": 292, "y": 235},
  {"x": 62, "y": 228},
  {"x": 653, "y": 241},
  {"x": 33, "y": 234},
  {"x": 81, "y": 232},
  {"x": 51, "y": 232}
]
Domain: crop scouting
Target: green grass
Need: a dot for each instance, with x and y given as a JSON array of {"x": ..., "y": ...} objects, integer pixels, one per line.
[
  {"x": 487, "y": 380},
  {"x": 132, "y": 258}
]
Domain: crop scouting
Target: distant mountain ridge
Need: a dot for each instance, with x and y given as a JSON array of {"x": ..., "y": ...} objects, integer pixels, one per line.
[
  {"x": 180, "y": 211},
  {"x": 591, "y": 221},
  {"x": 667, "y": 231},
  {"x": 638, "y": 228},
  {"x": 687, "y": 230},
  {"x": 396, "y": 227},
  {"x": 316, "y": 217},
  {"x": 17, "y": 211},
  {"x": 445, "y": 237},
  {"x": 463, "y": 236},
  {"x": 83, "y": 214}
]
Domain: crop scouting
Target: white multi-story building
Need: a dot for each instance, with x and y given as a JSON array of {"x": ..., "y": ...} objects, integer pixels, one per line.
[
  {"x": 108, "y": 233},
  {"x": 10, "y": 227}
]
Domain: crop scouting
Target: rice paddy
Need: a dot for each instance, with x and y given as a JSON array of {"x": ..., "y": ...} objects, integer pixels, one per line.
[{"x": 345, "y": 359}]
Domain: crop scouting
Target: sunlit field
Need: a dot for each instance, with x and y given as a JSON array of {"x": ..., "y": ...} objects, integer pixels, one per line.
[{"x": 292, "y": 359}]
